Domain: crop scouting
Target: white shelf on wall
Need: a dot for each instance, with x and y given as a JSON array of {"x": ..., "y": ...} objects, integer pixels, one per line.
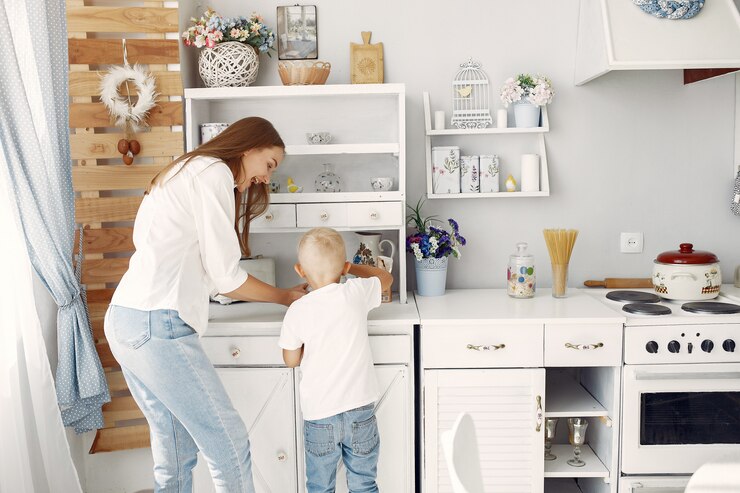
[
  {"x": 536, "y": 131},
  {"x": 313, "y": 197},
  {"x": 328, "y": 149},
  {"x": 559, "y": 468}
]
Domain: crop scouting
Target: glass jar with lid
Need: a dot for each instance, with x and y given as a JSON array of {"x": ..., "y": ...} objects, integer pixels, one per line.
[{"x": 520, "y": 274}]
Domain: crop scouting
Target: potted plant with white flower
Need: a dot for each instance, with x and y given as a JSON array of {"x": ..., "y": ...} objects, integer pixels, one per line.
[{"x": 528, "y": 93}]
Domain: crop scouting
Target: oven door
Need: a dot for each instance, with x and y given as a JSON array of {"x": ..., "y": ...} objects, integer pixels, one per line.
[
  {"x": 677, "y": 417},
  {"x": 653, "y": 484}
]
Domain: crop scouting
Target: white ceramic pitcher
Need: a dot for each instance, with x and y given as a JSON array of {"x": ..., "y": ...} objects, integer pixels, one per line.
[{"x": 370, "y": 247}]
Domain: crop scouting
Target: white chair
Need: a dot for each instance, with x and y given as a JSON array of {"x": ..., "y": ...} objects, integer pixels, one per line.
[
  {"x": 719, "y": 476},
  {"x": 460, "y": 447}
]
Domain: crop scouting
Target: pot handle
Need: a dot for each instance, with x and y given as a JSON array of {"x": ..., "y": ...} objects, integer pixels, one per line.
[
  {"x": 683, "y": 274},
  {"x": 393, "y": 247}
]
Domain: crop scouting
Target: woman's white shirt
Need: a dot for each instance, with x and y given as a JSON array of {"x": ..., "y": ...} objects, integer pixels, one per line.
[{"x": 186, "y": 246}]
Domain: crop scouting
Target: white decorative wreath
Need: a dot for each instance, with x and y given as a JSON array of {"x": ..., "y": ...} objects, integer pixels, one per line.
[{"x": 119, "y": 106}]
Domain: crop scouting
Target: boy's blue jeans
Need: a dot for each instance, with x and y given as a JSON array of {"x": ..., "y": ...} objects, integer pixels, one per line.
[
  {"x": 351, "y": 436},
  {"x": 183, "y": 399}
]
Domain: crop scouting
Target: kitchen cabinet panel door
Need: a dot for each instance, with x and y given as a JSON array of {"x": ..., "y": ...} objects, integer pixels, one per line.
[
  {"x": 507, "y": 407},
  {"x": 264, "y": 398},
  {"x": 394, "y": 414}
]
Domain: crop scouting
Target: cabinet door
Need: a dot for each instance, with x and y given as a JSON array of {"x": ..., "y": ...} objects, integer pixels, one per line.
[
  {"x": 394, "y": 414},
  {"x": 507, "y": 407},
  {"x": 264, "y": 398}
]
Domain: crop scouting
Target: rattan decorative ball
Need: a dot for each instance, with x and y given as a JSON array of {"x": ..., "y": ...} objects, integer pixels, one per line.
[
  {"x": 230, "y": 64},
  {"x": 303, "y": 72}
]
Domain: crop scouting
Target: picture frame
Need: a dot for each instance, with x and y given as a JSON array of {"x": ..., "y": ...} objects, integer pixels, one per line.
[{"x": 297, "y": 32}]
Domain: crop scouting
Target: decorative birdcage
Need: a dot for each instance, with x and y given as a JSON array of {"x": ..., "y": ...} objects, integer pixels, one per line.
[{"x": 470, "y": 97}]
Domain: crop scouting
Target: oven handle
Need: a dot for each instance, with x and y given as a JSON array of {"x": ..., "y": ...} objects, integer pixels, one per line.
[{"x": 689, "y": 375}]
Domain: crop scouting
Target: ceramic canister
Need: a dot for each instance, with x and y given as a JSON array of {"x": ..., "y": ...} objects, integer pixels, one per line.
[
  {"x": 446, "y": 169},
  {"x": 469, "y": 174},
  {"x": 489, "y": 173},
  {"x": 687, "y": 274}
]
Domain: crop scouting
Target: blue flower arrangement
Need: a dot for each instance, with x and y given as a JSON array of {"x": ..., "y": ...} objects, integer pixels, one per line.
[
  {"x": 430, "y": 241},
  {"x": 212, "y": 29}
]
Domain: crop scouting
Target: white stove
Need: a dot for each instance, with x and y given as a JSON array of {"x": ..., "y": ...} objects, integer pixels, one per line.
[
  {"x": 680, "y": 384},
  {"x": 679, "y": 336}
]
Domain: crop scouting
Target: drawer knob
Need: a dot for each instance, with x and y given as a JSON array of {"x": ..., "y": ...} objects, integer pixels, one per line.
[
  {"x": 282, "y": 456},
  {"x": 374, "y": 215},
  {"x": 491, "y": 347},
  {"x": 269, "y": 216},
  {"x": 235, "y": 352},
  {"x": 324, "y": 216},
  {"x": 581, "y": 347}
]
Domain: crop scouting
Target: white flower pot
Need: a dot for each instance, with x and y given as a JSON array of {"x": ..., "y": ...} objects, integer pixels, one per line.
[
  {"x": 526, "y": 114},
  {"x": 431, "y": 276}
]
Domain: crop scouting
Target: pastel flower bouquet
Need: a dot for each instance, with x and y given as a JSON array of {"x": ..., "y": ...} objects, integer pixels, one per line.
[
  {"x": 430, "y": 241},
  {"x": 212, "y": 29},
  {"x": 536, "y": 89}
]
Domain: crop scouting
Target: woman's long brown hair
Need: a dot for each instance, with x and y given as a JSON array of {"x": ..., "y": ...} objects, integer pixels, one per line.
[{"x": 229, "y": 146}]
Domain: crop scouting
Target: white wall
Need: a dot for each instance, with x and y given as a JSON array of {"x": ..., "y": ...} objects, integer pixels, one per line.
[{"x": 632, "y": 151}]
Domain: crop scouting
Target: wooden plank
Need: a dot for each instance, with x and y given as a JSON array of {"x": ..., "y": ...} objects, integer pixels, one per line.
[
  {"x": 104, "y": 270},
  {"x": 88, "y": 83},
  {"x": 122, "y": 20},
  {"x": 97, "y": 309},
  {"x": 107, "y": 209},
  {"x": 123, "y": 438},
  {"x": 99, "y": 295},
  {"x": 165, "y": 113},
  {"x": 121, "y": 409},
  {"x": 105, "y": 240},
  {"x": 100, "y": 146},
  {"x": 106, "y": 357},
  {"x": 124, "y": 403},
  {"x": 116, "y": 382},
  {"x": 110, "y": 51},
  {"x": 113, "y": 177},
  {"x": 98, "y": 329}
]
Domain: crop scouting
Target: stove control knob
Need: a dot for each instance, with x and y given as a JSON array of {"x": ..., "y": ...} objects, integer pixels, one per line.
[
  {"x": 707, "y": 346},
  {"x": 674, "y": 346},
  {"x": 729, "y": 345},
  {"x": 651, "y": 347}
]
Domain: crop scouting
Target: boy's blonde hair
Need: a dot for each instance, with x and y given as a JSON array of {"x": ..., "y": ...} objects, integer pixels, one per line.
[{"x": 321, "y": 253}]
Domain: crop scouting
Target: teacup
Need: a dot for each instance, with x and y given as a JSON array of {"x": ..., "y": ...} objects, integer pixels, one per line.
[
  {"x": 318, "y": 137},
  {"x": 381, "y": 183}
]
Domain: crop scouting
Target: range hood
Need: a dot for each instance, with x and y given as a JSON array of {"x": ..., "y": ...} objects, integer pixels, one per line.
[{"x": 618, "y": 35}]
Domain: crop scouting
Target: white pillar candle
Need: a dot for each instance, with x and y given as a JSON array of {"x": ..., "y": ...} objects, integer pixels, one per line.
[
  {"x": 530, "y": 173},
  {"x": 439, "y": 120},
  {"x": 501, "y": 118}
]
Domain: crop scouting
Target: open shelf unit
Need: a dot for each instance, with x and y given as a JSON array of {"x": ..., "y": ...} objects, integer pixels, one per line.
[
  {"x": 368, "y": 127},
  {"x": 451, "y": 132}
]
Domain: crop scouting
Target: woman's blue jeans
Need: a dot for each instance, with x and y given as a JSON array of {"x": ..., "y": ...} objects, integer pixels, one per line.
[{"x": 182, "y": 398}]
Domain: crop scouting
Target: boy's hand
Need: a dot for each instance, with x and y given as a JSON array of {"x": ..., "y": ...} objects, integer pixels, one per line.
[
  {"x": 293, "y": 357},
  {"x": 386, "y": 278},
  {"x": 295, "y": 293}
]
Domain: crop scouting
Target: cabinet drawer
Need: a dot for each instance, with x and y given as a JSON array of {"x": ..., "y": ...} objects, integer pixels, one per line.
[
  {"x": 276, "y": 216},
  {"x": 243, "y": 351},
  {"x": 394, "y": 349},
  {"x": 366, "y": 214},
  {"x": 583, "y": 345},
  {"x": 482, "y": 346},
  {"x": 314, "y": 215}
]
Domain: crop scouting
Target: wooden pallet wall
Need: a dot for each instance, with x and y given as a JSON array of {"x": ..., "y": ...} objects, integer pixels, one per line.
[{"x": 108, "y": 193}]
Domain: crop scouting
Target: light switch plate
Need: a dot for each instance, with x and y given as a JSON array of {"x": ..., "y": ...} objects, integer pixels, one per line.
[{"x": 631, "y": 243}]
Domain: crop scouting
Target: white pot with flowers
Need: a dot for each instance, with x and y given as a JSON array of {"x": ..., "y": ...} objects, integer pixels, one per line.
[
  {"x": 230, "y": 47},
  {"x": 528, "y": 93}
]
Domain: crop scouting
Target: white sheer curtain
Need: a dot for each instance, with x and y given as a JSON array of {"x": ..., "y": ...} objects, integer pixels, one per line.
[{"x": 34, "y": 453}]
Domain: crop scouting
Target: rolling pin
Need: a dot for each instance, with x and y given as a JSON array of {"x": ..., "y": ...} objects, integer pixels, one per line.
[{"x": 620, "y": 282}]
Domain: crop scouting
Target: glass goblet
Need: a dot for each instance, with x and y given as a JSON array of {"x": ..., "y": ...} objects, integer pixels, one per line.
[
  {"x": 551, "y": 425},
  {"x": 577, "y": 437}
]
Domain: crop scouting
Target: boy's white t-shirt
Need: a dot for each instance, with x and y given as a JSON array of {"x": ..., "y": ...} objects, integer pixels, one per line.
[{"x": 337, "y": 366}]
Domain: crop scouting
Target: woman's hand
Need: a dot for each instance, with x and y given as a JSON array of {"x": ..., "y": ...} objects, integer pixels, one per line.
[{"x": 295, "y": 293}]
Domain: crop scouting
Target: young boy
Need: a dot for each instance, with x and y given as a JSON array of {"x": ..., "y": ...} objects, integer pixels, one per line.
[{"x": 326, "y": 333}]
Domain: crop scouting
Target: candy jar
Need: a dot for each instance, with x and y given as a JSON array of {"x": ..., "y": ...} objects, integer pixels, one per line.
[{"x": 520, "y": 273}]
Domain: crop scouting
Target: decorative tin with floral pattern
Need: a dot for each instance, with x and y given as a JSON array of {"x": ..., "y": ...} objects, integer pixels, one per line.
[{"x": 520, "y": 274}]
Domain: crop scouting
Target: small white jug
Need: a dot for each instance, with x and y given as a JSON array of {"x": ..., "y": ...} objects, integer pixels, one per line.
[{"x": 369, "y": 249}]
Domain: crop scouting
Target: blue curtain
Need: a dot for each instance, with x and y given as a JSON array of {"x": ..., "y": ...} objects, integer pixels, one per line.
[{"x": 35, "y": 155}]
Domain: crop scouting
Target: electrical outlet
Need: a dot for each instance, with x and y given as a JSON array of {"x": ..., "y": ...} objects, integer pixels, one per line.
[{"x": 631, "y": 243}]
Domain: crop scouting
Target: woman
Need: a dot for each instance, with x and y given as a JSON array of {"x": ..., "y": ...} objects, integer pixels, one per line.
[{"x": 188, "y": 245}]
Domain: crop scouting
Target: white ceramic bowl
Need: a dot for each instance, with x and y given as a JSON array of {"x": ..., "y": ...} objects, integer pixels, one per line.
[{"x": 381, "y": 183}]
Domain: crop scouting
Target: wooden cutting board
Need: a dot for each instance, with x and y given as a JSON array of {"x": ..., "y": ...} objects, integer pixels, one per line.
[
  {"x": 620, "y": 282},
  {"x": 366, "y": 61}
]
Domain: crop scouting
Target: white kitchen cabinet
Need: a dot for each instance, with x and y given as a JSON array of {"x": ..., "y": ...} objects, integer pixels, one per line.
[
  {"x": 265, "y": 400},
  {"x": 507, "y": 408},
  {"x": 368, "y": 127},
  {"x": 508, "y": 143}
]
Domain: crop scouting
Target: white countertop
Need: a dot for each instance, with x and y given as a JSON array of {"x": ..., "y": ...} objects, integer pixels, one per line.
[
  {"x": 266, "y": 318},
  {"x": 486, "y": 306}
]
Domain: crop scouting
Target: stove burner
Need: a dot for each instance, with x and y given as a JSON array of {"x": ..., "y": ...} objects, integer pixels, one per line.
[
  {"x": 633, "y": 296},
  {"x": 711, "y": 307},
  {"x": 646, "y": 309}
]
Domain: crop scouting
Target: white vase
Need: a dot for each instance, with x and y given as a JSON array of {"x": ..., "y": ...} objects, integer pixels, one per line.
[
  {"x": 230, "y": 64},
  {"x": 526, "y": 114}
]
